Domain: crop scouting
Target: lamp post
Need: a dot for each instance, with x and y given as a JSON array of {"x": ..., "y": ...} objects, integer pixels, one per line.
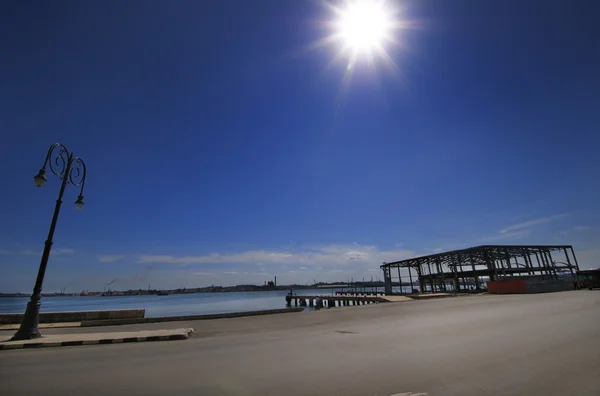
[{"x": 71, "y": 170}]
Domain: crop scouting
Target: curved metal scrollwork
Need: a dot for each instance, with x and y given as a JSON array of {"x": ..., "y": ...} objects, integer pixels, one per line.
[
  {"x": 64, "y": 164},
  {"x": 77, "y": 172},
  {"x": 57, "y": 160}
]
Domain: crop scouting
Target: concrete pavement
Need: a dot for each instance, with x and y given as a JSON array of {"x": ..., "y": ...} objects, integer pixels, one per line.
[{"x": 546, "y": 344}]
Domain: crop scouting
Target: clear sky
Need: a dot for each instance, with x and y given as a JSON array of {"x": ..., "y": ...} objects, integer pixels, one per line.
[{"x": 223, "y": 148}]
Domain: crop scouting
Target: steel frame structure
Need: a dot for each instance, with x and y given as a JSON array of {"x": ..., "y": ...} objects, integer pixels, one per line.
[{"x": 466, "y": 269}]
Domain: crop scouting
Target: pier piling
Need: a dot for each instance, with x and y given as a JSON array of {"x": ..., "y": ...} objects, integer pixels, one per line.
[{"x": 334, "y": 301}]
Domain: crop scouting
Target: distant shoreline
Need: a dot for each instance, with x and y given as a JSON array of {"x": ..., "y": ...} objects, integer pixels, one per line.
[
  {"x": 145, "y": 292},
  {"x": 366, "y": 286}
]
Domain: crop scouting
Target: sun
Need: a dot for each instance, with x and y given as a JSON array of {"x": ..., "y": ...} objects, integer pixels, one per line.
[
  {"x": 364, "y": 30},
  {"x": 362, "y": 35},
  {"x": 364, "y": 25}
]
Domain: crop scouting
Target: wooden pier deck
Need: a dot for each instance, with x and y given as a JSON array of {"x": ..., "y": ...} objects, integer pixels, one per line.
[{"x": 363, "y": 293}]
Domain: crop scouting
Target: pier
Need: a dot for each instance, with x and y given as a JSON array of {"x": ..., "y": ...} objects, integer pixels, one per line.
[
  {"x": 360, "y": 293},
  {"x": 329, "y": 301}
]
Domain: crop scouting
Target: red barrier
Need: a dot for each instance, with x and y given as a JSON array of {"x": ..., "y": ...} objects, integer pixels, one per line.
[{"x": 507, "y": 286}]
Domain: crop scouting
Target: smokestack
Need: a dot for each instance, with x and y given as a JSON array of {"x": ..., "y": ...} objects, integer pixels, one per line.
[{"x": 275, "y": 282}]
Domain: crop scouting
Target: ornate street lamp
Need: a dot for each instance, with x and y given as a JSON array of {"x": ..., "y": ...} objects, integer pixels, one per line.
[{"x": 71, "y": 170}]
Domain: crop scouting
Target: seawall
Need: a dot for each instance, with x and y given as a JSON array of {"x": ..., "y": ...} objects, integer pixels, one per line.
[
  {"x": 115, "y": 322},
  {"x": 77, "y": 316}
]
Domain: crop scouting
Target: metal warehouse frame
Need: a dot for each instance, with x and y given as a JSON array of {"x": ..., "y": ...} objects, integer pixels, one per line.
[{"x": 467, "y": 269}]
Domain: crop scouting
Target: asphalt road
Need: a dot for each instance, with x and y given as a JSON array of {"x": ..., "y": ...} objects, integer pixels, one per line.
[{"x": 547, "y": 344}]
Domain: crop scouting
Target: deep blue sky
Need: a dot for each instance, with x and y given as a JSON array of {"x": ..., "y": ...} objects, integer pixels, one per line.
[{"x": 220, "y": 151}]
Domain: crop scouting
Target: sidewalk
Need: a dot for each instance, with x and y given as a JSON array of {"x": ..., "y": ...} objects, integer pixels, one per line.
[{"x": 55, "y": 340}]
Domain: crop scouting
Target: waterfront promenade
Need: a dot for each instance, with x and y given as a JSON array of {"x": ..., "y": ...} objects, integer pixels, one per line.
[{"x": 543, "y": 344}]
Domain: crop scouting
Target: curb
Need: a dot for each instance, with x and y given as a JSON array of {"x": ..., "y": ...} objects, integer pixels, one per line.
[{"x": 101, "y": 341}]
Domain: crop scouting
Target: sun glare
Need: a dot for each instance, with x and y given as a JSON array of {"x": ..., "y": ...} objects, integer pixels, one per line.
[
  {"x": 364, "y": 25},
  {"x": 364, "y": 30},
  {"x": 362, "y": 34}
]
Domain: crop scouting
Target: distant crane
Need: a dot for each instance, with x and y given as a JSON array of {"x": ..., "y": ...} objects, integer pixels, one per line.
[
  {"x": 62, "y": 290},
  {"x": 109, "y": 283}
]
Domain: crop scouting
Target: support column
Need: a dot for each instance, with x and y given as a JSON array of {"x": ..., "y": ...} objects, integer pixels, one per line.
[
  {"x": 549, "y": 253},
  {"x": 537, "y": 258},
  {"x": 411, "y": 280},
  {"x": 441, "y": 271},
  {"x": 534, "y": 269},
  {"x": 501, "y": 259},
  {"x": 387, "y": 280},
  {"x": 456, "y": 280},
  {"x": 575, "y": 258},
  {"x": 495, "y": 259},
  {"x": 569, "y": 262},
  {"x": 477, "y": 287},
  {"x": 488, "y": 263},
  {"x": 400, "y": 280},
  {"x": 528, "y": 264},
  {"x": 499, "y": 265},
  {"x": 547, "y": 264},
  {"x": 462, "y": 271},
  {"x": 517, "y": 263},
  {"x": 421, "y": 281},
  {"x": 548, "y": 259},
  {"x": 507, "y": 258},
  {"x": 430, "y": 275}
]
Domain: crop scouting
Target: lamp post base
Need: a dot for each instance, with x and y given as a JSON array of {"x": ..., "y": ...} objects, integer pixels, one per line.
[{"x": 29, "y": 326}]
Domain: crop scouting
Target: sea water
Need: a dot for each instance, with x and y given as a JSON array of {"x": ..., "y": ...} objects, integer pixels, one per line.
[{"x": 170, "y": 305}]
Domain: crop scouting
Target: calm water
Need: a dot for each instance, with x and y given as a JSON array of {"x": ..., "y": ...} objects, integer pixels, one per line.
[{"x": 171, "y": 305}]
